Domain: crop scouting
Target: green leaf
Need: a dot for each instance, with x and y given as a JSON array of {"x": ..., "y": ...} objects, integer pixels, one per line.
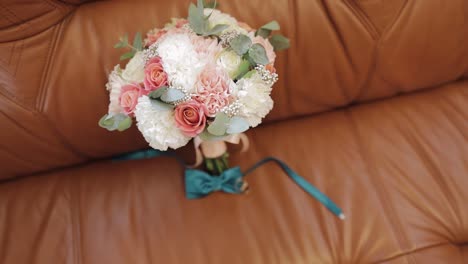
[
  {"x": 106, "y": 121},
  {"x": 237, "y": 125},
  {"x": 212, "y": 5},
  {"x": 119, "y": 45},
  {"x": 241, "y": 44},
  {"x": 138, "y": 41},
  {"x": 279, "y": 42},
  {"x": 157, "y": 93},
  {"x": 219, "y": 125},
  {"x": 249, "y": 74},
  {"x": 197, "y": 20},
  {"x": 124, "y": 124},
  {"x": 217, "y": 29},
  {"x": 161, "y": 106},
  {"x": 127, "y": 55},
  {"x": 258, "y": 54},
  {"x": 273, "y": 25},
  {"x": 113, "y": 122},
  {"x": 200, "y": 6},
  {"x": 244, "y": 67},
  {"x": 265, "y": 33},
  {"x": 171, "y": 95}
]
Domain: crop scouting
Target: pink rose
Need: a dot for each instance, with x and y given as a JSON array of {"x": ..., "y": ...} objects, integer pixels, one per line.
[
  {"x": 190, "y": 118},
  {"x": 212, "y": 88},
  {"x": 129, "y": 97},
  {"x": 154, "y": 35},
  {"x": 155, "y": 77}
]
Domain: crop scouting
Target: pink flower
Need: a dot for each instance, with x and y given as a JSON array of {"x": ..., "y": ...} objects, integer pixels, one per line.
[
  {"x": 212, "y": 88},
  {"x": 129, "y": 97},
  {"x": 154, "y": 35},
  {"x": 190, "y": 118},
  {"x": 206, "y": 48},
  {"x": 155, "y": 77},
  {"x": 268, "y": 47}
]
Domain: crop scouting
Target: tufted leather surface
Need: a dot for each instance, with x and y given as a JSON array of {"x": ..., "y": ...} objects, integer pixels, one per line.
[
  {"x": 371, "y": 108},
  {"x": 405, "y": 200},
  {"x": 54, "y": 65}
]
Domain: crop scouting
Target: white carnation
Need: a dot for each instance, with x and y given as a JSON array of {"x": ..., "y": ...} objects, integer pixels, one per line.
[
  {"x": 180, "y": 60},
  {"x": 254, "y": 95},
  {"x": 229, "y": 61},
  {"x": 158, "y": 126},
  {"x": 135, "y": 69},
  {"x": 114, "y": 86},
  {"x": 217, "y": 18}
]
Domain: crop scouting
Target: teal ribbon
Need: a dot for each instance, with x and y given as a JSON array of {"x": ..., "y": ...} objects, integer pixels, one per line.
[{"x": 199, "y": 183}]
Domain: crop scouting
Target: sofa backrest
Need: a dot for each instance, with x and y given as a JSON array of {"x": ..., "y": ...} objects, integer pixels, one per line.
[{"x": 55, "y": 57}]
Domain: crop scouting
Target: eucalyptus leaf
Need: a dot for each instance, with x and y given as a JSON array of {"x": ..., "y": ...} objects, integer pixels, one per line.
[
  {"x": 219, "y": 125},
  {"x": 124, "y": 124},
  {"x": 279, "y": 42},
  {"x": 237, "y": 125},
  {"x": 112, "y": 122},
  {"x": 161, "y": 106},
  {"x": 249, "y": 74},
  {"x": 241, "y": 44},
  {"x": 265, "y": 33},
  {"x": 106, "y": 122},
  {"x": 273, "y": 25},
  {"x": 211, "y": 5},
  {"x": 244, "y": 67},
  {"x": 138, "y": 41},
  {"x": 217, "y": 29},
  {"x": 258, "y": 54},
  {"x": 197, "y": 21},
  {"x": 127, "y": 55},
  {"x": 200, "y": 6},
  {"x": 157, "y": 93},
  {"x": 171, "y": 95},
  {"x": 119, "y": 45}
]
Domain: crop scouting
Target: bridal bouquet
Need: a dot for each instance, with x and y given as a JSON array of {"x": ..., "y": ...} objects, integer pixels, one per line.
[{"x": 207, "y": 77}]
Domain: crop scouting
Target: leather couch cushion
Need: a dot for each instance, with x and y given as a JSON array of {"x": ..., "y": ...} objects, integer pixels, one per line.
[
  {"x": 55, "y": 58},
  {"x": 397, "y": 168}
]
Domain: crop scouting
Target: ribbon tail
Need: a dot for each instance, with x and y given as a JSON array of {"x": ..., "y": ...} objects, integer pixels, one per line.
[{"x": 305, "y": 185}]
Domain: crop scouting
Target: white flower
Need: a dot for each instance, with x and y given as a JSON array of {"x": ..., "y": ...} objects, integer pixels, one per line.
[
  {"x": 114, "y": 86},
  {"x": 229, "y": 61},
  {"x": 254, "y": 96},
  {"x": 135, "y": 69},
  {"x": 217, "y": 18},
  {"x": 180, "y": 60},
  {"x": 158, "y": 126}
]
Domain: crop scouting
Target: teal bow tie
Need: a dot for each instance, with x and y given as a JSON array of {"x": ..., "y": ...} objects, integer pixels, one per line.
[{"x": 199, "y": 183}]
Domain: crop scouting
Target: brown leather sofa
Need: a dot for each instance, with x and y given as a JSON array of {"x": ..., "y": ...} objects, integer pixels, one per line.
[{"x": 371, "y": 107}]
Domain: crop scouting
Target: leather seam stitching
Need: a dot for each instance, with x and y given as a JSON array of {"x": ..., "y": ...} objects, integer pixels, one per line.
[
  {"x": 386, "y": 204},
  {"x": 358, "y": 13}
]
